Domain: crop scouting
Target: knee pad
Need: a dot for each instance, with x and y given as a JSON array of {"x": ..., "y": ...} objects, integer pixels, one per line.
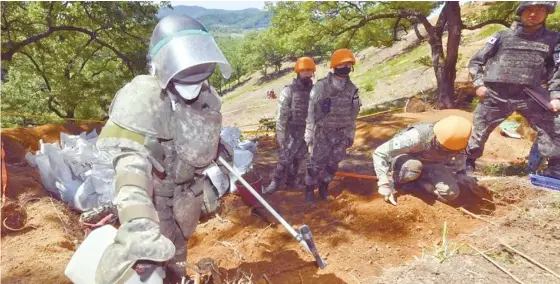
[{"x": 409, "y": 171}]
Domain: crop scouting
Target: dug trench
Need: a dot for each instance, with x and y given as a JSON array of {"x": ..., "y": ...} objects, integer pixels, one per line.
[{"x": 357, "y": 233}]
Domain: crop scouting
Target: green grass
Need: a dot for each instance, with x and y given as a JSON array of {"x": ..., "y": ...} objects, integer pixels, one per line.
[
  {"x": 488, "y": 31},
  {"x": 392, "y": 67},
  {"x": 503, "y": 169}
]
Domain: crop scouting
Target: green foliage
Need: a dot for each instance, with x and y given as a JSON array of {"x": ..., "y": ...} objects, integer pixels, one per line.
[
  {"x": 425, "y": 60},
  {"x": 503, "y": 169},
  {"x": 369, "y": 86},
  {"x": 96, "y": 47},
  {"x": 267, "y": 124}
]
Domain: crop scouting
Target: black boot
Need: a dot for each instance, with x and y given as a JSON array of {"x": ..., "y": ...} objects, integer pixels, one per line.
[
  {"x": 323, "y": 190},
  {"x": 309, "y": 193}
]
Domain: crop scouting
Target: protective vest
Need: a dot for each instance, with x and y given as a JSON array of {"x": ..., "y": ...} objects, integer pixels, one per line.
[
  {"x": 178, "y": 138},
  {"x": 336, "y": 107},
  {"x": 431, "y": 152},
  {"x": 519, "y": 60},
  {"x": 300, "y": 103}
]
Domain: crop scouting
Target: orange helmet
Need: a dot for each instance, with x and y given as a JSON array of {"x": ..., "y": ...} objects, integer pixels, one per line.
[
  {"x": 341, "y": 56},
  {"x": 453, "y": 132},
  {"x": 305, "y": 63}
]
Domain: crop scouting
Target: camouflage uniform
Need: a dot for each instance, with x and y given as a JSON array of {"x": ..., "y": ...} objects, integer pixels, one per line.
[
  {"x": 511, "y": 61},
  {"x": 330, "y": 128},
  {"x": 290, "y": 128},
  {"x": 164, "y": 150},
  {"x": 414, "y": 156}
]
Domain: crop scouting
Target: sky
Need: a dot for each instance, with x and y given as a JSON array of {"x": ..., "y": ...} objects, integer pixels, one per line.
[{"x": 225, "y": 5}]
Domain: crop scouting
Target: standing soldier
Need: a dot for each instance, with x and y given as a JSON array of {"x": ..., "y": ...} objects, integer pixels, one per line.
[
  {"x": 290, "y": 124},
  {"x": 512, "y": 60},
  {"x": 164, "y": 133},
  {"x": 331, "y": 123}
]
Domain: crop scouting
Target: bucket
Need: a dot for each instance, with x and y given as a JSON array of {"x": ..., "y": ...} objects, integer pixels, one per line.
[
  {"x": 255, "y": 180},
  {"x": 83, "y": 264}
]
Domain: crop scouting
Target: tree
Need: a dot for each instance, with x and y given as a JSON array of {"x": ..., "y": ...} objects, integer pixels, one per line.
[
  {"x": 71, "y": 57},
  {"x": 361, "y": 24}
]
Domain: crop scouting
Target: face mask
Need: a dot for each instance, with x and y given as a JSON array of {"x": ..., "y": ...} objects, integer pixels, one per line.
[
  {"x": 342, "y": 72},
  {"x": 306, "y": 81},
  {"x": 188, "y": 92}
]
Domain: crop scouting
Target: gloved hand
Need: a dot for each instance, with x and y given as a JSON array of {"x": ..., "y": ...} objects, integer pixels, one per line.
[
  {"x": 388, "y": 193},
  {"x": 138, "y": 239}
]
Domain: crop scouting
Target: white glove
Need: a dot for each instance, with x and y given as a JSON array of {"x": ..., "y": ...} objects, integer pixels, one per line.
[{"x": 388, "y": 193}]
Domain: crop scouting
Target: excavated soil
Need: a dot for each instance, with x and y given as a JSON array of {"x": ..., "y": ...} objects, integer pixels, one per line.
[{"x": 356, "y": 231}]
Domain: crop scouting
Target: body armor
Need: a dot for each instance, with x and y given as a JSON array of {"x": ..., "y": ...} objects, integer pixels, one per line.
[
  {"x": 519, "y": 60},
  {"x": 300, "y": 103},
  {"x": 336, "y": 107}
]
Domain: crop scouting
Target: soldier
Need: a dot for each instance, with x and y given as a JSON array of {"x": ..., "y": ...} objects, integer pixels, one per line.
[
  {"x": 164, "y": 132},
  {"x": 331, "y": 123},
  {"x": 418, "y": 156},
  {"x": 512, "y": 60},
  {"x": 290, "y": 124}
]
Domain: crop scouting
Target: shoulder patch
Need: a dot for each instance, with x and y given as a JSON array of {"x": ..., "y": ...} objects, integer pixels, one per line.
[{"x": 492, "y": 40}]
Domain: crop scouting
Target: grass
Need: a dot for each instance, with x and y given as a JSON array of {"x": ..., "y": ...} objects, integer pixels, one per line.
[
  {"x": 505, "y": 169},
  {"x": 445, "y": 249},
  {"x": 390, "y": 68},
  {"x": 487, "y": 32}
]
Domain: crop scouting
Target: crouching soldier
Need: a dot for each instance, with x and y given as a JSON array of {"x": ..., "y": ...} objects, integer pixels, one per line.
[
  {"x": 290, "y": 125},
  {"x": 331, "y": 123},
  {"x": 418, "y": 156},
  {"x": 164, "y": 131}
]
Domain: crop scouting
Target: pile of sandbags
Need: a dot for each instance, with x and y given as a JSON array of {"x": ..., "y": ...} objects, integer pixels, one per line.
[{"x": 82, "y": 176}]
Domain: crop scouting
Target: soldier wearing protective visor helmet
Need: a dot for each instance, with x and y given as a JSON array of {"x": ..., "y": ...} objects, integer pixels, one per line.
[
  {"x": 514, "y": 62},
  {"x": 164, "y": 135}
]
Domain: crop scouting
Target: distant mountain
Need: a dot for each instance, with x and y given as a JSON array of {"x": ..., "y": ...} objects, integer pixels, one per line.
[{"x": 217, "y": 19}]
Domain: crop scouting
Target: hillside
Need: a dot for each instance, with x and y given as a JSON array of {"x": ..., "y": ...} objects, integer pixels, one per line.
[
  {"x": 382, "y": 75},
  {"x": 223, "y": 20}
]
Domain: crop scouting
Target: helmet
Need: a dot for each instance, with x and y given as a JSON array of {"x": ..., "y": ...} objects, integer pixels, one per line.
[
  {"x": 305, "y": 63},
  {"x": 182, "y": 50},
  {"x": 341, "y": 56},
  {"x": 453, "y": 132},
  {"x": 550, "y": 6}
]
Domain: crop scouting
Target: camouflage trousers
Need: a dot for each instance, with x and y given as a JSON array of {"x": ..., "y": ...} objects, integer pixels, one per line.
[
  {"x": 179, "y": 209},
  {"x": 291, "y": 155},
  {"x": 329, "y": 148},
  {"x": 437, "y": 179},
  {"x": 493, "y": 110}
]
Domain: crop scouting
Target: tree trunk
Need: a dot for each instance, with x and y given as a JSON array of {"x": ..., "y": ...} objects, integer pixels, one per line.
[{"x": 445, "y": 66}]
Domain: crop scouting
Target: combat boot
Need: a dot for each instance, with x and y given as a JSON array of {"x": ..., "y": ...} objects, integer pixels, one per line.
[
  {"x": 310, "y": 193},
  {"x": 272, "y": 187},
  {"x": 323, "y": 190}
]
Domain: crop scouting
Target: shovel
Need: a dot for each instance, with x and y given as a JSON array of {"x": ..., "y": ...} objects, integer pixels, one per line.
[{"x": 303, "y": 235}]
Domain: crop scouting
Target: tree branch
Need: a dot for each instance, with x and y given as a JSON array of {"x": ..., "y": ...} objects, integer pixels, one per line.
[
  {"x": 41, "y": 71},
  {"x": 488, "y": 22},
  {"x": 15, "y": 47},
  {"x": 53, "y": 108},
  {"x": 86, "y": 61},
  {"x": 395, "y": 27}
]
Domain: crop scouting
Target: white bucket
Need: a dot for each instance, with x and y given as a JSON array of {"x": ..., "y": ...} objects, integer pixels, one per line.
[{"x": 81, "y": 268}]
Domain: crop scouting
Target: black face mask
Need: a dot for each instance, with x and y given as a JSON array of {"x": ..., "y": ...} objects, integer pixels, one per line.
[
  {"x": 342, "y": 72},
  {"x": 305, "y": 81}
]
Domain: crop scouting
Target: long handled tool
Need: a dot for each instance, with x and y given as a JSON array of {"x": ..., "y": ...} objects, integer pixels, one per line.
[
  {"x": 354, "y": 175},
  {"x": 304, "y": 236}
]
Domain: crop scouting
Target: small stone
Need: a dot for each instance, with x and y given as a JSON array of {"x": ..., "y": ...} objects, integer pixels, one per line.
[
  {"x": 370, "y": 262},
  {"x": 418, "y": 228},
  {"x": 430, "y": 232}
]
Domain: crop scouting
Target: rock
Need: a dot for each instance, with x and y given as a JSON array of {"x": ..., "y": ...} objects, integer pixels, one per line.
[
  {"x": 415, "y": 105},
  {"x": 430, "y": 232}
]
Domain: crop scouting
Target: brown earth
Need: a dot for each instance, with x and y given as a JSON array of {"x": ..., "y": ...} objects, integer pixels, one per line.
[{"x": 358, "y": 233}]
